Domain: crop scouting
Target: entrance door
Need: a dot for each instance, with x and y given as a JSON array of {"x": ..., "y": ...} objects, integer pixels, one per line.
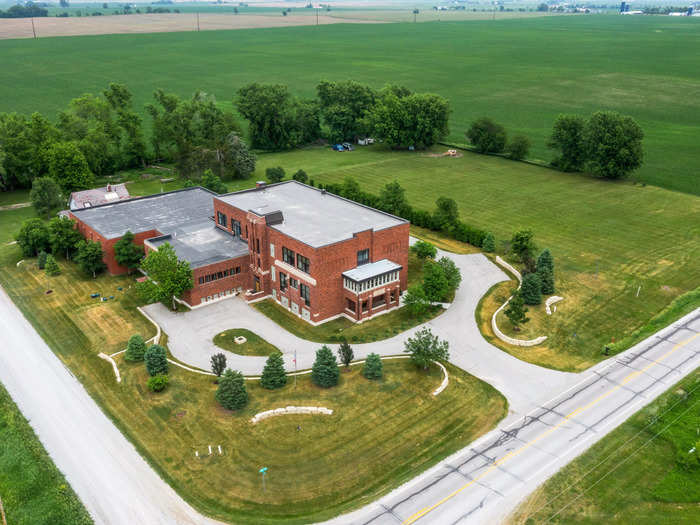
[{"x": 257, "y": 284}]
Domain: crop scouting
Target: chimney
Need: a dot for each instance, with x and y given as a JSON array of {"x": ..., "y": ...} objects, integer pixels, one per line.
[{"x": 260, "y": 184}]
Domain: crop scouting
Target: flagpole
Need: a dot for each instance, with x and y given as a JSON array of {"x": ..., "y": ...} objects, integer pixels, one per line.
[{"x": 295, "y": 368}]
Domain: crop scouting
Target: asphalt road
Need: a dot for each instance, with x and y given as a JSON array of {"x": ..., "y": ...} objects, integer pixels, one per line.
[
  {"x": 483, "y": 483},
  {"x": 113, "y": 481}
]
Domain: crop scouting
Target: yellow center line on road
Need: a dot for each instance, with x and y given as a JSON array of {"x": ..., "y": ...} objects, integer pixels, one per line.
[{"x": 419, "y": 514}]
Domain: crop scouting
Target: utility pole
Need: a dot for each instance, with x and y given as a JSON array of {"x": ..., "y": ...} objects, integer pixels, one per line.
[
  {"x": 317, "y": 15},
  {"x": 197, "y": 21},
  {"x": 295, "y": 369},
  {"x": 33, "y": 29}
]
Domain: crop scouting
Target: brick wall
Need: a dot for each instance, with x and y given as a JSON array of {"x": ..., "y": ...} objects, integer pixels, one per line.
[{"x": 219, "y": 287}]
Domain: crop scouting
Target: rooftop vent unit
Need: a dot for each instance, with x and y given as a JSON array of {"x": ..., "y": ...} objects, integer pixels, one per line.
[{"x": 274, "y": 217}]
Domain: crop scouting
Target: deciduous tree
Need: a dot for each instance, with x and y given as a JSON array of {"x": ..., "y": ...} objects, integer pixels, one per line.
[
  {"x": 446, "y": 213},
  {"x": 487, "y": 136},
  {"x": 392, "y": 199},
  {"x": 416, "y": 300},
  {"x": 518, "y": 147},
  {"x": 45, "y": 196},
  {"x": 567, "y": 138},
  {"x": 300, "y": 176},
  {"x": 33, "y": 237},
  {"x": 425, "y": 347},
  {"x": 344, "y": 106},
  {"x": 63, "y": 236},
  {"x": 424, "y": 250},
  {"x": 613, "y": 144},
  {"x": 169, "y": 276},
  {"x": 452, "y": 273},
  {"x": 218, "y": 364},
  {"x": 435, "y": 283},
  {"x": 523, "y": 245},
  {"x": 89, "y": 257},
  {"x": 345, "y": 354},
  {"x": 275, "y": 175},
  {"x": 67, "y": 166}
]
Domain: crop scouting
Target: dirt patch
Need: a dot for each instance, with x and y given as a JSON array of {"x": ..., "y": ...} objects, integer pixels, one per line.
[
  {"x": 455, "y": 154},
  {"x": 155, "y": 23}
]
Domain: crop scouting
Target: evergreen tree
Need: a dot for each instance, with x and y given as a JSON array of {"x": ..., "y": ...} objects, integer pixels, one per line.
[
  {"x": 345, "y": 354},
  {"x": 232, "y": 393},
  {"x": 373, "y": 368},
  {"x": 41, "y": 259},
  {"x": 218, "y": 364},
  {"x": 325, "y": 371},
  {"x": 545, "y": 269},
  {"x": 516, "y": 310},
  {"x": 127, "y": 253},
  {"x": 274, "y": 375},
  {"x": 532, "y": 289},
  {"x": 156, "y": 360},
  {"x": 489, "y": 243},
  {"x": 135, "y": 349},
  {"x": 52, "y": 267}
]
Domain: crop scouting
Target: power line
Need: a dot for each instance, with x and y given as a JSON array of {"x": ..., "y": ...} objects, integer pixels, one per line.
[{"x": 622, "y": 462}]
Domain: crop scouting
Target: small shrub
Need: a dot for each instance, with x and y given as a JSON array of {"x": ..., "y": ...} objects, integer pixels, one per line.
[
  {"x": 135, "y": 349},
  {"x": 156, "y": 360},
  {"x": 373, "y": 368},
  {"x": 300, "y": 176},
  {"x": 157, "y": 383},
  {"x": 487, "y": 136},
  {"x": 345, "y": 353}
]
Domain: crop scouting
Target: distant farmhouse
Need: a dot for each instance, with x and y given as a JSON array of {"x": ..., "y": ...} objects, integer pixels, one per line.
[
  {"x": 319, "y": 255},
  {"x": 97, "y": 196}
]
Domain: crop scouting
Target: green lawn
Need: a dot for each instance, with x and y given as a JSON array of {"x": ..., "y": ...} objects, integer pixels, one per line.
[
  {"x": 254, "y": 345},
  {"x": 376, "y": 329},
  {"x": 607, "y": 238},
  {"x": 633, "y": 474},
  {"x": 642, "y": 66},
  {"x": 33, "y": 491}
]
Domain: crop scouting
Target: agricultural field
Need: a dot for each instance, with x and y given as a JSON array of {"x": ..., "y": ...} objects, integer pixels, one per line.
[
  {"x": 392, "y": 429},
  {"x": 641, "y": 473},
  {"x": 560, "y": 64},
  {"x": 32, "y": 489}
]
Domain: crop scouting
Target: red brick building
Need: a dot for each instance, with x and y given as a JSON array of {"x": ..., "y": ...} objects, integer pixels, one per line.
[{"x": 316, "y": 254}]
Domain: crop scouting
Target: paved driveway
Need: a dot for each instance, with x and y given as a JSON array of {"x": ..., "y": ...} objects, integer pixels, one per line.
[{"x": 190, "y": 337}]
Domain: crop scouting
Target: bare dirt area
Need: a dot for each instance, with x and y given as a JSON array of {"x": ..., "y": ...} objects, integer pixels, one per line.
[{"x": 155, "y": 23}]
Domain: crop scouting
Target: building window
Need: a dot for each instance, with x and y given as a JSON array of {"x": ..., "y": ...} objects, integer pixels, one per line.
[
  {"x": 293, "y": 283},
  {"x": 283, "y": 281},
  {"x": 362, "y": 257},
  {"x": 221, "y": 219},
  {"x": 305, "y": 293},
  {"x": 288, "y": 256},
  {"x": 272, "y": 273},
  {"x": 303, "y": 263},
  {"x": 272, "y": 250},
  {"x": 257, "y": 246},
  {"x": 236, "y": 227},
  {"x": 246, "y": 231}
]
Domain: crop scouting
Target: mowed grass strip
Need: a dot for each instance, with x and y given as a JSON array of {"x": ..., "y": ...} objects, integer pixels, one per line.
[
  {"x": 568, "y": 64},
  {"x": 254, "y": 344},
  {"x": 382, "y": 433},
  {"x": 622, "y": 252},
  {"x": 32, "y": 489},
  {"x": 631, "y": 475}
]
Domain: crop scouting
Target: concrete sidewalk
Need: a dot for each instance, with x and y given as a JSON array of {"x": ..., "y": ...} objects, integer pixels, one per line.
[{"x": 190, "y": 338}]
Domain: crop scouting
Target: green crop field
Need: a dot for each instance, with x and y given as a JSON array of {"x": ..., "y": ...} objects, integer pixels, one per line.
[
  {"x": 522, "y": 72},
  {"x": 32, "y": 489}
]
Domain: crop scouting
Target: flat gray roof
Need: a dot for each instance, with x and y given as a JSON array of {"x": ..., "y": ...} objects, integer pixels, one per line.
[
  {"x": 309, "y": 215},
  {"x": 202, "y": 243},
  {"x": 367, "y": 271},
  {"x": 163, "y": 212}
]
